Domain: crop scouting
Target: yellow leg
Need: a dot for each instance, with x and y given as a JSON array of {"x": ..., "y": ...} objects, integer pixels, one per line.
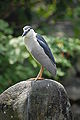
[{"x": 39, "y": 76}]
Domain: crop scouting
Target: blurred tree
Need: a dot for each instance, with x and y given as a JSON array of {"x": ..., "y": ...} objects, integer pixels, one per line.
[
  {"x": 39, "y": 13},
  {"x": 15, "y": 63},
  {"x": 12, "y": 55}
]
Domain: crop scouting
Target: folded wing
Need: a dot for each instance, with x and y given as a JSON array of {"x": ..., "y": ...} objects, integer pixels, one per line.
[{"x": 46, "y": 48}]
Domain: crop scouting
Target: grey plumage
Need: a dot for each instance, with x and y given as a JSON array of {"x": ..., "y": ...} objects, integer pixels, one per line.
[
  {"x": 44, "y": 61},
  {"x": 46, "y": 48},
  {"x": 39, "y": 49}
]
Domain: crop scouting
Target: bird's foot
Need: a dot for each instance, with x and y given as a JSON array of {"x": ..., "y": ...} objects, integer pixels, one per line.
[
  {"x": 35, "y": 79},
  {"x": 39, "y": 78}
]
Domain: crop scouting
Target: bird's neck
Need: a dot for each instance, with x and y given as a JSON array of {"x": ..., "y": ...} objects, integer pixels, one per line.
[
  {"x": 30, "y": 41},
  {"x": 32, "y": 35}
]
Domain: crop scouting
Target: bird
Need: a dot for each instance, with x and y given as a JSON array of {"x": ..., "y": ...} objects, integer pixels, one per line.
[{"x": 39, "y": 50}]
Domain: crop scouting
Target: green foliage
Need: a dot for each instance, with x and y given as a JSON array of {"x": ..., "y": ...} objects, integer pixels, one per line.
[
  {"x": 65, "y": 51},
  {"x": 12, "y": 55},
  {"x": 17, "y": 64}
]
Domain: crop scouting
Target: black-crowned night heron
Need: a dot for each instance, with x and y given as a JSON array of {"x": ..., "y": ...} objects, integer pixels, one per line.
[{"x": 40, "y": 50}]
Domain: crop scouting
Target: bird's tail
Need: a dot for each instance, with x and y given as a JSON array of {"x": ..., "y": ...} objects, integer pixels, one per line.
[{"x": 53, "y": 70}]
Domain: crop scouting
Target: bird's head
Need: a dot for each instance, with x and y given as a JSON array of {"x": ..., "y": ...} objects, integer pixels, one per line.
[{"x": 28, "y": 31}]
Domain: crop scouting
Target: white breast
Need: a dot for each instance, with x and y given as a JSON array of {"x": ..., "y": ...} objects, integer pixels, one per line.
[
  {"x": 37, "y": 51},
  {"x": 32, "y": 44}
]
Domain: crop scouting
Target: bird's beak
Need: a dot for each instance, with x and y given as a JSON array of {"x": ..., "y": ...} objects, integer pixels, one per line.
[{"x": 24, "y": 33}]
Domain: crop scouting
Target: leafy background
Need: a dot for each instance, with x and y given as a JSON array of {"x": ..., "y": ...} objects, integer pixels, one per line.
[
  {"x": 16, "y": 63},
  {"x": 59, "y": 23}
]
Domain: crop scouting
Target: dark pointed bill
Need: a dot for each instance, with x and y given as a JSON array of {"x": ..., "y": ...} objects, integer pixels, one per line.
[{"x": 24, "y": 33}]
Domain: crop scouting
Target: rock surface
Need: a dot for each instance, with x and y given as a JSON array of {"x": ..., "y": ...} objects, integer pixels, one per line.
[{"x": 35, "y": 100}]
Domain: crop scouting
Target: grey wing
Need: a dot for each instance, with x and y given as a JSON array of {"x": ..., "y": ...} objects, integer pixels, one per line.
[
  {"x": 44, "y": 60},
  {"x": 45, "y": 47}
]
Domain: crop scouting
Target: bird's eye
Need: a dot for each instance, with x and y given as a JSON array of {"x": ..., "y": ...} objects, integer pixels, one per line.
[
  {"x": 25, "y": 28},
  {"x": 28, "y": 30}
]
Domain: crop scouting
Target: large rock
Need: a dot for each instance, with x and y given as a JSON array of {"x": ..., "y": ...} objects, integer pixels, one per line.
[{"x": 35, "y": 100}]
